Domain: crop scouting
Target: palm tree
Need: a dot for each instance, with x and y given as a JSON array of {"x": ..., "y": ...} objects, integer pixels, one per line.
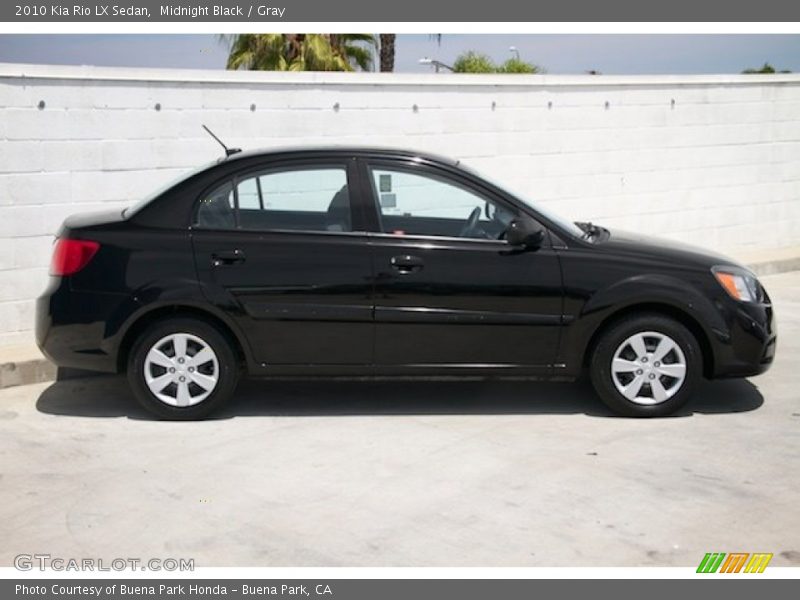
[
  {"x": 387, "y": 45},
  {"x": 300, "y": 51},
  {"x": 387, "y": 51},
  {"x": 357, "y": 48}
]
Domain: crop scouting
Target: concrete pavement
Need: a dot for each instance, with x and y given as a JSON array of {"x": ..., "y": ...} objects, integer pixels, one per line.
[{"x": 409, "y": 474}]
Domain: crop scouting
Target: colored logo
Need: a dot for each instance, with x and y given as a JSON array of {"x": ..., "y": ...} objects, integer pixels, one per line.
[{"x": 735, "y": 562}]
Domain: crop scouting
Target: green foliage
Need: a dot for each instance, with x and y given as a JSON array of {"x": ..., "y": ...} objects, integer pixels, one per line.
[
  {"x": 301, "y": 51},
  {"x": 474, "y": 62},
  {"x": 517, "y": 65},
  {"x": 767, "y": 68}
]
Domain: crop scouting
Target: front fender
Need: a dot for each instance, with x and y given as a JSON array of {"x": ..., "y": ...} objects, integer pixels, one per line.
[{"x": 669, "y": 294}]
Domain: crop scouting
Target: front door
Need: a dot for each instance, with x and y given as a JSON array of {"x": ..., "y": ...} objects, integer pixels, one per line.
[
  {"x": 279, "y": 249},
  {"x": 449, "y": 291}
]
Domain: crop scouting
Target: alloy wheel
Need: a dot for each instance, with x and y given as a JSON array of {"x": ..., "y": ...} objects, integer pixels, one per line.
[
  {"x": 181, "y": 370},
  {"x": 648, "y": 368}
]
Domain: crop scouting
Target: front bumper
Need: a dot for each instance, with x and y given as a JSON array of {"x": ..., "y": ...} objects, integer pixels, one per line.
[{"x": 748, "y": 347}]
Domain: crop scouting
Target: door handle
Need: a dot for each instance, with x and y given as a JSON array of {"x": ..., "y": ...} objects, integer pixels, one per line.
[
  {"x": 405, "y": 263},
  {"x": 227, "y": 257}
]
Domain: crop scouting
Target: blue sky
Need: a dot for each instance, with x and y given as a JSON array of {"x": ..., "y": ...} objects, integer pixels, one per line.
[{"x": 609, "y": 54}]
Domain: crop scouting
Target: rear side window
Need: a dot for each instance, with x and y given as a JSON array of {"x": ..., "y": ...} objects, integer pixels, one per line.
[
  {"x": 216, "y": 210},
  {"x": 299, "y": 199}
]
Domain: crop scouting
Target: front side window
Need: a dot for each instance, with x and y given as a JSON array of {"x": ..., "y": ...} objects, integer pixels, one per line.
[
  {"x": 423, "y": 204},
  {"x": 300, "y": 199}
]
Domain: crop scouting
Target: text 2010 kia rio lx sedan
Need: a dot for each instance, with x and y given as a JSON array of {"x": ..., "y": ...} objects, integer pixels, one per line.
[{"x": 337, "y": 262}]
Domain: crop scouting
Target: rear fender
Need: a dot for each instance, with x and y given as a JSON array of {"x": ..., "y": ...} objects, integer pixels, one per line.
[{"x": 157, "y": 296}]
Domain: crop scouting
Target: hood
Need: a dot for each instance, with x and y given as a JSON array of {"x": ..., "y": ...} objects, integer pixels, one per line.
[{"x": 662, "y": 249}]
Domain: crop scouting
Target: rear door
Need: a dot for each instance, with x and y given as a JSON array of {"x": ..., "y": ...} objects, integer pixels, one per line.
[
  {"x": 449, "y": 291},
  {"x": 281, "y": 248}
]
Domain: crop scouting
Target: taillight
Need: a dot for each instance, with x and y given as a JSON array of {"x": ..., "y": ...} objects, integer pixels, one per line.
[{"x": 70, "y": 256}]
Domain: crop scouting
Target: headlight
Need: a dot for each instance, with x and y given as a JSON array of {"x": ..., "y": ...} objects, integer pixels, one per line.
[{"x": 740, "y": 284}]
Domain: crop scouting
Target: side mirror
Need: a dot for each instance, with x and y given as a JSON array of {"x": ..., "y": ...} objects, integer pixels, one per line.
[{"x": 526, "y": 233}]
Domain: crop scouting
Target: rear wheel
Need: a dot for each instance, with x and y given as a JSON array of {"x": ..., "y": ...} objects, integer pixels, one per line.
[
  {"x": 182, "y": 369},
  {"x": 646, "y": 366}
]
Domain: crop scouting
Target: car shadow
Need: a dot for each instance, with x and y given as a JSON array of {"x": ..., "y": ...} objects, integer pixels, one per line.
[{"x": 109, "y": 396}]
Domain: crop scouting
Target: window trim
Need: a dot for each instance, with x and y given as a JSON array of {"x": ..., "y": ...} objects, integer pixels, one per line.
[
  {"x": 261, "y": 194},
  {"x": 235, "y": 185},
  {"x": 433, "y": 238},
  {"x": 346, "y": 164},
  {"x": 305, "y": 232}
]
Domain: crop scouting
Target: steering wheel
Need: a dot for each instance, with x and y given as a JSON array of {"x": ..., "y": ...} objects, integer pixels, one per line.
[{"x": 471, "y": 225}]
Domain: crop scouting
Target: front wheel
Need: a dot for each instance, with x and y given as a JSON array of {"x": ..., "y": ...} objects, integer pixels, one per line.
[
  {"x": 646, "y": 366},
  {"x": 182, "y": 369}
]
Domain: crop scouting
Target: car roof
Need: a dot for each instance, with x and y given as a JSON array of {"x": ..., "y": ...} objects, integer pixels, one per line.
[{"x": 375, "y": 151}]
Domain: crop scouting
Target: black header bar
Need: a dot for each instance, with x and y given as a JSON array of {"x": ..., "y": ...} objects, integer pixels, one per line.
[{"x": 516, "y": 11}]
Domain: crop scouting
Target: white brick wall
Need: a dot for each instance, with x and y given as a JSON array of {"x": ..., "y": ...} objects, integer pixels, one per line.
[{"x": 707, "y": 159}]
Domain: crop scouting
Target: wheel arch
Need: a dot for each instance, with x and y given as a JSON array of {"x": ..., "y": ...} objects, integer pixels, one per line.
[
  {"x": 144, "y": 320},
  {"x": 661, "y": 308}
]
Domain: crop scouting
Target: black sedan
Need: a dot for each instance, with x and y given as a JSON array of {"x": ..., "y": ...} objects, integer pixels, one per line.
[{"x": 353, "y": 262}]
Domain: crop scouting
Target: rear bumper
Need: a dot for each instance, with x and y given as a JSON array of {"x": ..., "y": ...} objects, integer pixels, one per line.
[{"x": 76, "y": 329}]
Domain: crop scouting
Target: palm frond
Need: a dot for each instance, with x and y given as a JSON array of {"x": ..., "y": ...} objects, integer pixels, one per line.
[{"x": 300, "y": 51}]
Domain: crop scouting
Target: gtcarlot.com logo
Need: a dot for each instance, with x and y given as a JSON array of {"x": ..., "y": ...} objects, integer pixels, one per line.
[
  {"x": 735, "y": 562},
  {"x": 42, "y": 562}
]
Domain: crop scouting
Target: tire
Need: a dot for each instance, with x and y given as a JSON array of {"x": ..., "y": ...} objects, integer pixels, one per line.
[
  {"x": 209, "y": 379},
  {"x": 632, "y": 373}
]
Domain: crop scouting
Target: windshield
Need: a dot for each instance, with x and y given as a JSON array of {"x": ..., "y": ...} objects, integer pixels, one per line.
[
  {"x": 562, "y": 222},
  {"x": 132, "y": 210}
]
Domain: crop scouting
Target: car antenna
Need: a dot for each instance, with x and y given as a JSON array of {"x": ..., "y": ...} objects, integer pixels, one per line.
[{"x": 228, "y": 151}]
